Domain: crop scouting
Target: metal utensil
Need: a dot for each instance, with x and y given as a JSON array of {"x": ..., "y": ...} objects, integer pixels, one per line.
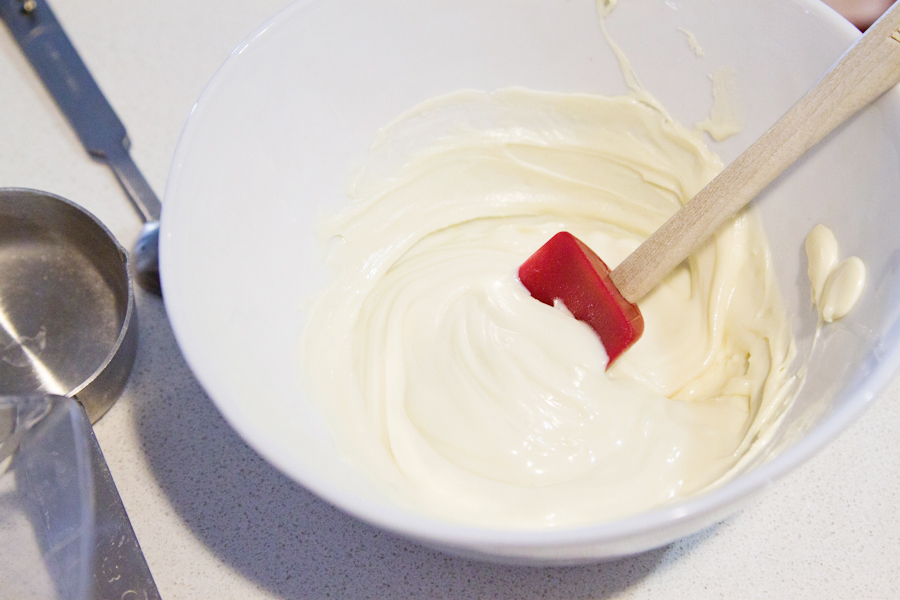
[
  {"x": 68, "y": 327},
  {"x": 67, "y": 319},
  {"x": 52, "y": 55}
]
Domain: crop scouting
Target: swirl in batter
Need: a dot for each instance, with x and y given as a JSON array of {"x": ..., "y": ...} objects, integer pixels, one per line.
[{"x": 470, "y": 401}]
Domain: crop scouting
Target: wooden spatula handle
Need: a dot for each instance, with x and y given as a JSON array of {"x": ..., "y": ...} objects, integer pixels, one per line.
[{"x": 863, "y": 73}]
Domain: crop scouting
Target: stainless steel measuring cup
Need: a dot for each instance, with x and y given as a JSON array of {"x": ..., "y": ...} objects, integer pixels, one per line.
[
  {"x": 67, "y": 319},
  {"x": 68, "y": 328}
]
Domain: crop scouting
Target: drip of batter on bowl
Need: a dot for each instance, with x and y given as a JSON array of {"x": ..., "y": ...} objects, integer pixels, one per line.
[
  {"x": 836, "y": 286},
  {"x": 693, "y": 44},
  {"x": 723, "y": 121}
]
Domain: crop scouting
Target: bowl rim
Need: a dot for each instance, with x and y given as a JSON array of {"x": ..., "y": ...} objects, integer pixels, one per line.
[{"x": 721, "y": 499}]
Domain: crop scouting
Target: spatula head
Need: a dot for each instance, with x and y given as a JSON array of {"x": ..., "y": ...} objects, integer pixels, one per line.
[{"x": 566, "y": 269}]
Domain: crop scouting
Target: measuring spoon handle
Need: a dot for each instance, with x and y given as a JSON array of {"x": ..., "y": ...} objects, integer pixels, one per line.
[{"x": 45, "y": 44}]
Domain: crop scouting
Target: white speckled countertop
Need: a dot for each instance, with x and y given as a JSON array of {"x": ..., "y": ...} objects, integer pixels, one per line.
[{"x": 216, "y": 521}]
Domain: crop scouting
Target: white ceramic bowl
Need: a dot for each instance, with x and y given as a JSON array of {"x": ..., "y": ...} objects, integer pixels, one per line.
[{"x": 270, "y": 142}]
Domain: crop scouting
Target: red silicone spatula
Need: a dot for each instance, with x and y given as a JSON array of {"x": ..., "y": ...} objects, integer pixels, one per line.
[{"x": 567, "y": 270}]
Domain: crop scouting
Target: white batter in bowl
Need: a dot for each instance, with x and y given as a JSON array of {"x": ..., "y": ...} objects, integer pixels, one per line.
[
  {"x": 468, "y": 400},
  {"x": 268, "y": 147}
]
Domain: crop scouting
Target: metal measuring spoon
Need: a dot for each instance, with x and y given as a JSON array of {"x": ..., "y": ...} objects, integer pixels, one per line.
[{"x": 52, "y": 55}]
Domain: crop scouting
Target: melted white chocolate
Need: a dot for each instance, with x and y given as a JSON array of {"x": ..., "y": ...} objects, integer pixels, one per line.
[
  {"x": 472, "y": 402},
  {"x": 836, "y": 287},
  {"x": 723, "y": 121},
  {"x": 692, "y": 42}
]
